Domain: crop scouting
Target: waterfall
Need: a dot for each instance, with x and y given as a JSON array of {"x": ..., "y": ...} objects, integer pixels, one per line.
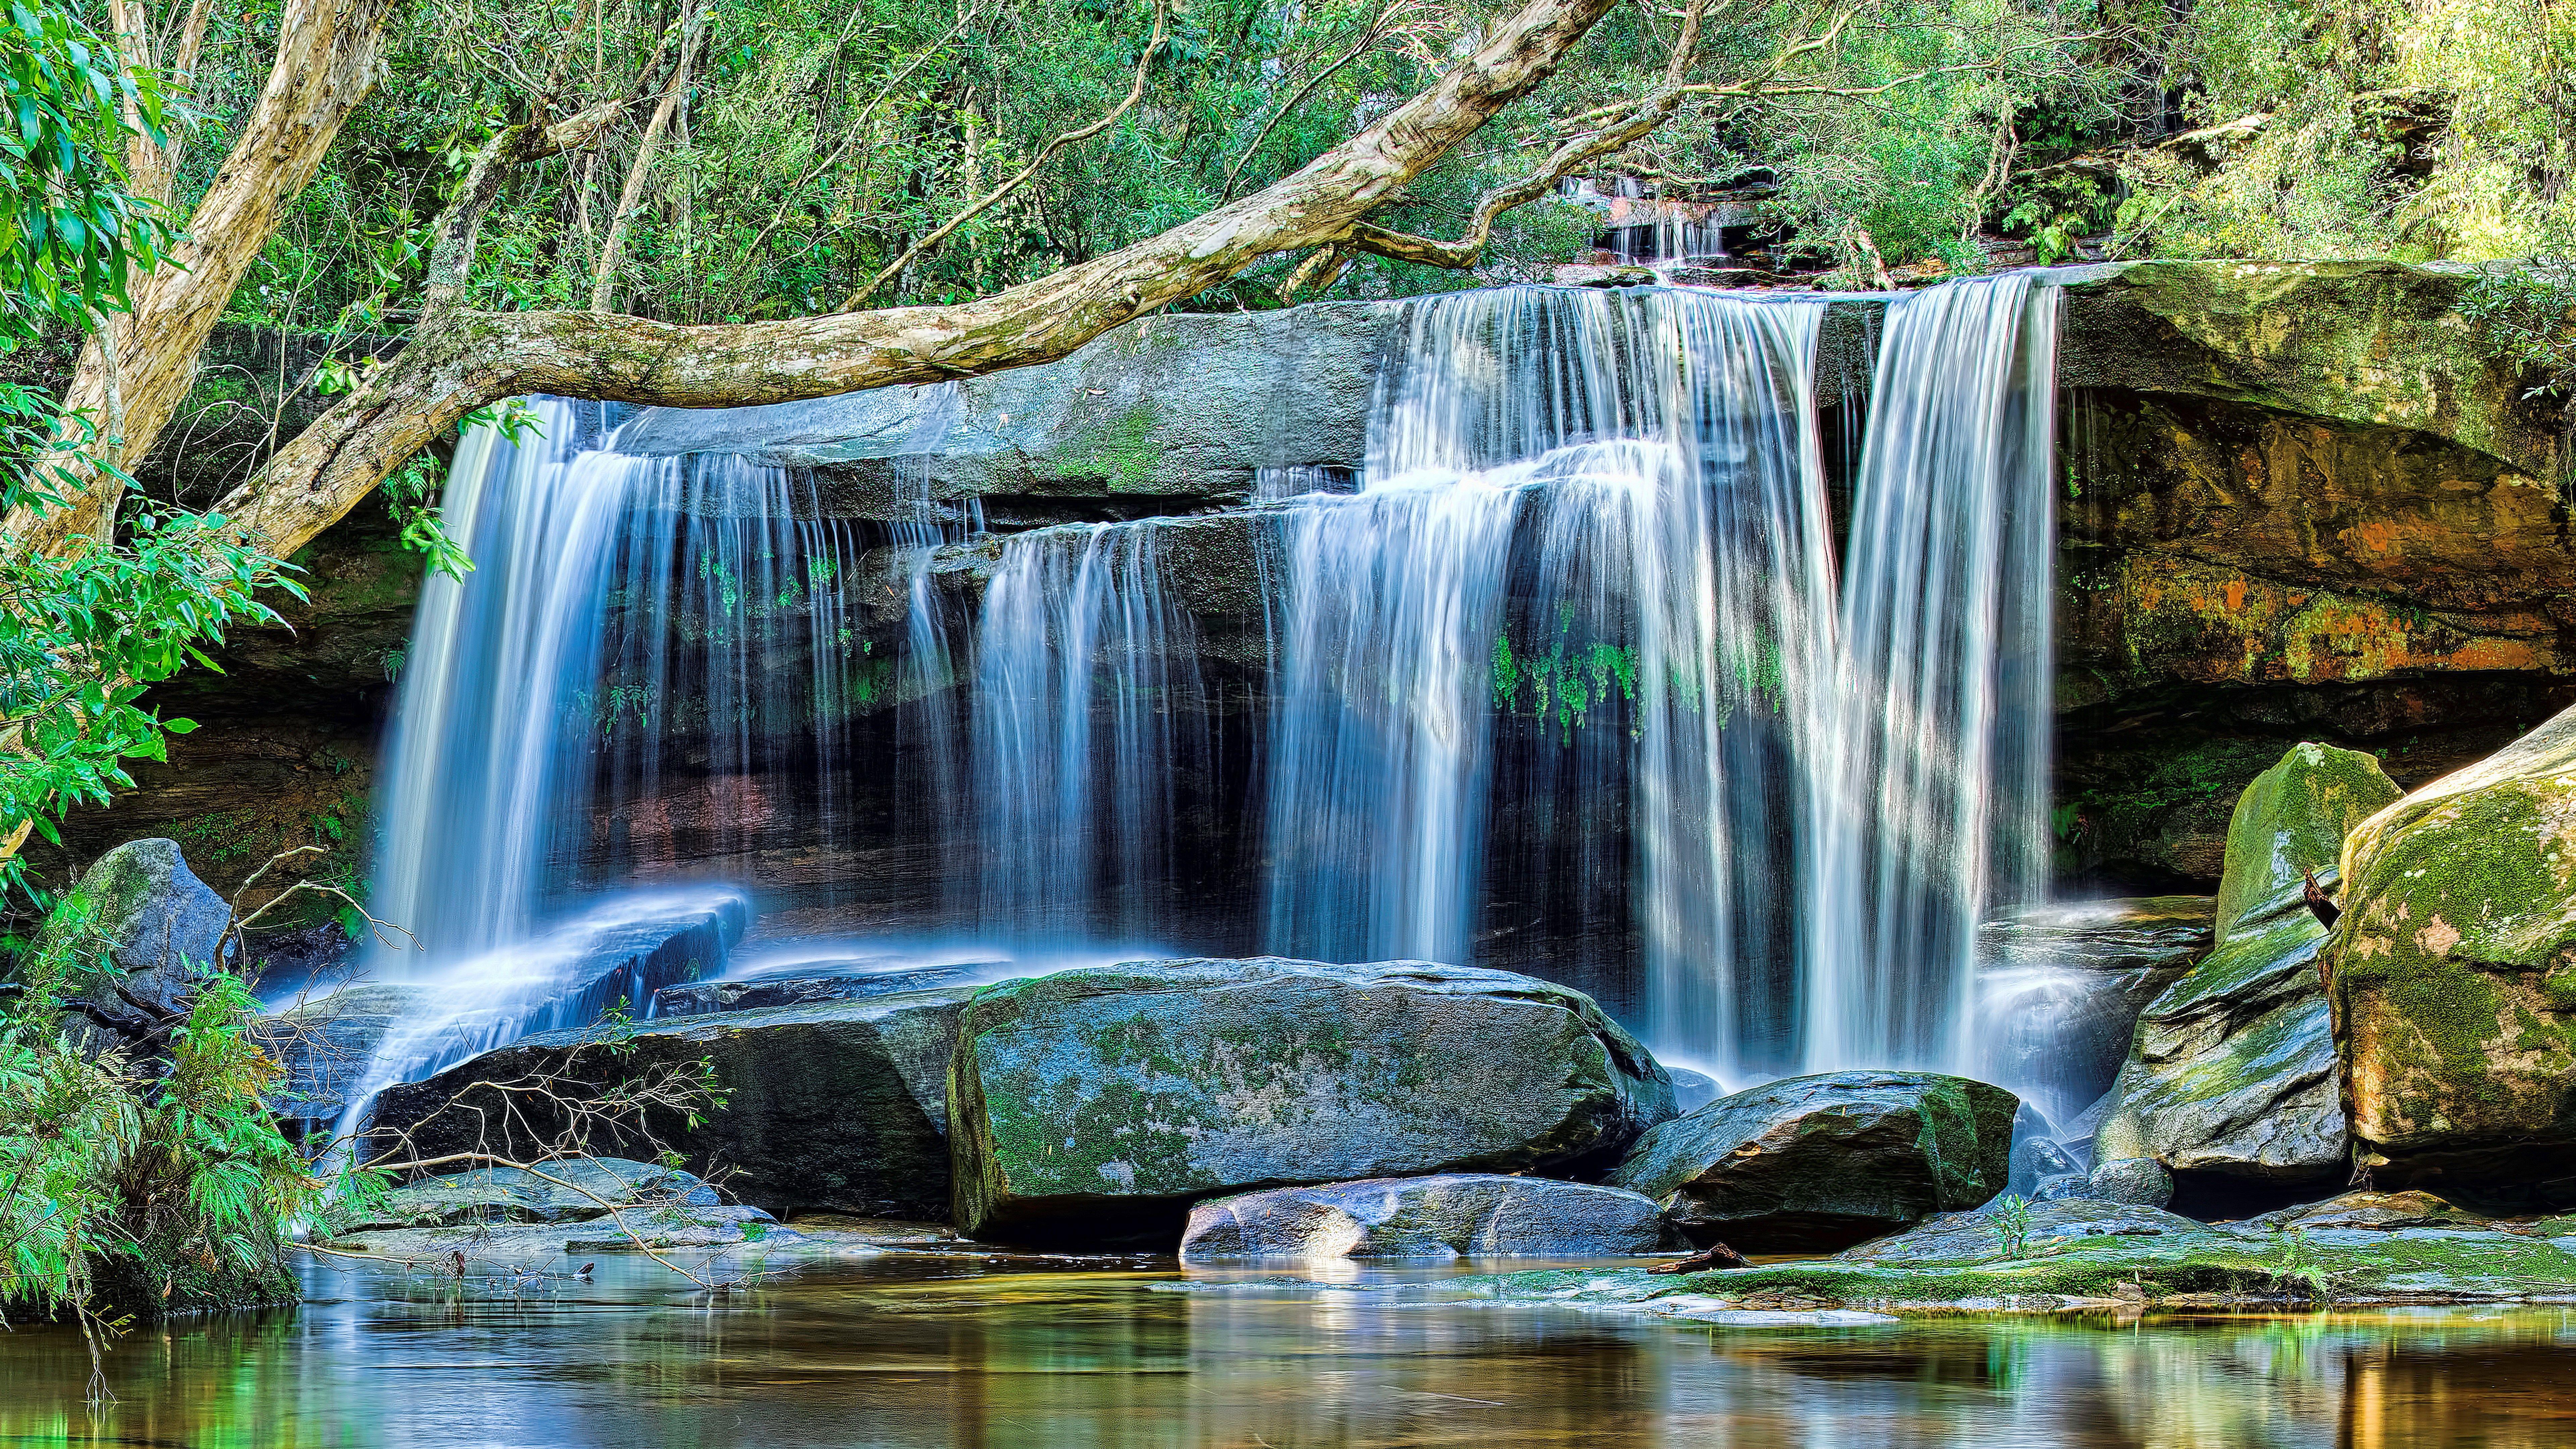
[
  {"x": 1086, "y": 683},
  {"x": 1933, "y": 794},
  {"x": 1592, "y": 549},
  {"x": 1567, "y": 677},
  {"x": 620, "y": 609}
]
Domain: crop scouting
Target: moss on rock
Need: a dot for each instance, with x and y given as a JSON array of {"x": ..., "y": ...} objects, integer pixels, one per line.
[{"x": 2453, "y": 968}]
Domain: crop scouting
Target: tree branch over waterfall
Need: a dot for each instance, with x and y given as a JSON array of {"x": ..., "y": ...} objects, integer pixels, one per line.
[{"x": 476, "y": 358}]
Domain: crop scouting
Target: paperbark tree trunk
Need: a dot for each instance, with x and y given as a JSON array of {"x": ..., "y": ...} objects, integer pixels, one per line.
[
  {"x": 477, "y": 358},
  {"x": 134, "y": 371}
]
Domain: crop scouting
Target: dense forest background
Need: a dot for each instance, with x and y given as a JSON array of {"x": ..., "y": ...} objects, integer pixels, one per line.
[{"x": 811, "y": 143}]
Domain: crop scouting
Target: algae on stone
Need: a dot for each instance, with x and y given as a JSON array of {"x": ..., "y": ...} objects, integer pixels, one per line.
[
  {"x": 1092, "y": 1106},
  {"x": 2455, "y": 973},
  {"x": 2233, "y": 1070}
]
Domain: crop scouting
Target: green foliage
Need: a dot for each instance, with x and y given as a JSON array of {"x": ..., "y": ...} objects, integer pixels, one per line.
[
  {"x": 69, "y": 229},
  {"x": 2527, "y": 317},
  {"x": 2011, "y": 1214},
  {"x": 154, "y": 1191}
]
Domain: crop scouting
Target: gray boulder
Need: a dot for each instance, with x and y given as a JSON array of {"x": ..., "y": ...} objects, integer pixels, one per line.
[
  {"x": 835, "y": 1106},
  {"x": 2131, "y": 1180},
  {"x": 575, "y": 1189},
  {"x": 138, "y": 934},
  {"x": 2234, "y": 1071},
  {"x": 1809, "y": 1164},
  {"x": 1693, "y": 1090},
  {"x": 1094, "y": 1106},
  {"x": 2036, "y": 1158},
  {"x": 1449, "y": 1216},
  {"x": 805, "y": 988}
]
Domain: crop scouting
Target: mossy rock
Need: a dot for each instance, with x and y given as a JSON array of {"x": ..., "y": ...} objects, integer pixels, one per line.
[
  {"x": 2455, "y": 969},
  {"x": 135, "y": 936},
  {"x": 2233, "y": 1069},
  {"x": 1824, "y": 1161},
  {"x": 2079, "y": 1254},
  {"x": 1092, "y": 1107}
]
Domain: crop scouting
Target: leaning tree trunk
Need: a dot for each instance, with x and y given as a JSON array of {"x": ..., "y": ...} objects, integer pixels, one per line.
[
  {"x": 472, "y": 359},
  {"x": 135, "y": 370}
]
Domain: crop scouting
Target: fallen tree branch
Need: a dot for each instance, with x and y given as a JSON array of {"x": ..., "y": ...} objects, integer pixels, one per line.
[{"x": 477, "y": 358}]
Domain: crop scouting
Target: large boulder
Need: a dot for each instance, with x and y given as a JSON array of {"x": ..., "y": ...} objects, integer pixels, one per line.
[
  {"x": 2232, "y": 1074},
  {"x": 834, "y": 1106},
  {"x": 1448, "y": 1216},
  {"x": 1096, "y": 1105},
  {"x": 1811, "y": 1164},
  {"x": 2455, "y": 972},
  {"x": 137, "y": 934}
]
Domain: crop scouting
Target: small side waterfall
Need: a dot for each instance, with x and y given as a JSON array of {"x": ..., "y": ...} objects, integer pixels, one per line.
[
  {"x": 1086, "y": 681},
  {"x": 1933, "y": 793},
  {"x": 622, "y": 609}
]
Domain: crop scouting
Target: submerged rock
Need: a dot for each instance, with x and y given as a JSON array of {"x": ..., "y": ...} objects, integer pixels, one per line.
[
  {"x": 139, "y": 934},
  {"x": 1448, "y": 1216},
  {"x": 1821, "y": 1162},
  {"x": 837, "y": 1106},
  {"x": 2090, "y": 1254},
  {"x": 2457, "y": 982},
  {"x": 1096, "y": 1105},
  {"x": 2233, "y": 1071},
  {"x": 760, "y": 993},
  {"x": 574, "y": 1189}
]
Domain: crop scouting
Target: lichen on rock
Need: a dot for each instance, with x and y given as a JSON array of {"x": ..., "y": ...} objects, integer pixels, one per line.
[
  {"x": 2232, "y": 1072},
  {"x": 2453, "y": 969}
]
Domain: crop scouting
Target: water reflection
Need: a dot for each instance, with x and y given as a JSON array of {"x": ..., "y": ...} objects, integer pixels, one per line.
[{"x": 907, "y": 1351}]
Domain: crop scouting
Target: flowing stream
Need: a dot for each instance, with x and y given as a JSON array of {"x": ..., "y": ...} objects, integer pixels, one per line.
[{"x": 1583, "y": 673}]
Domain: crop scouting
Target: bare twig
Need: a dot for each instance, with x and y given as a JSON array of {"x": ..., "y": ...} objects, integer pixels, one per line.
[{"x": 1046, "y": 153}]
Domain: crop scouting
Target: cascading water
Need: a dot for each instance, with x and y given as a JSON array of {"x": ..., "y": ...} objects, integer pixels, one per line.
[
  {"x": 618, "y": 604},
  {"x": 1593, "y": 546},
  {"x": 1086, "y": 683},
  {"x": 1572, "y": 682},
  {"x": 1932, "y": 811}
]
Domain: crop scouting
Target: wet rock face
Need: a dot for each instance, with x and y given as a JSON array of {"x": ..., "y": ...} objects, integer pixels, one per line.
[
  {"x": 2233, "y": 1070},
  {"x": 2060, "y": 985},
  {"x": 1815, "y": 1163},
  {"x": 835, "y": 1106},
  {"x": 1452, "y": 1215},
  {"x": 139, "y": 933},
  {"x": 1093, "y": 1106},
  {"x": 2452, "y": 968}
]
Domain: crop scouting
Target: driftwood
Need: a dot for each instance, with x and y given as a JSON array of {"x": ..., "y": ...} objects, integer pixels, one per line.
[
  {"x": 2327, "y": 912},
  {"x": 1715, "y": 1255}
]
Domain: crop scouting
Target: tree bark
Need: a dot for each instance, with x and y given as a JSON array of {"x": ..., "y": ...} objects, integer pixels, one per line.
[
  {"x": 603, "y": 289},
  {"x": 139, "y": 366},
  {"x": 477, "y": 358}
]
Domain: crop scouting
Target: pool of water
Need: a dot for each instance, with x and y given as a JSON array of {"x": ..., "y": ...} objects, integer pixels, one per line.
[{"x": 907, "y": 1350}]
